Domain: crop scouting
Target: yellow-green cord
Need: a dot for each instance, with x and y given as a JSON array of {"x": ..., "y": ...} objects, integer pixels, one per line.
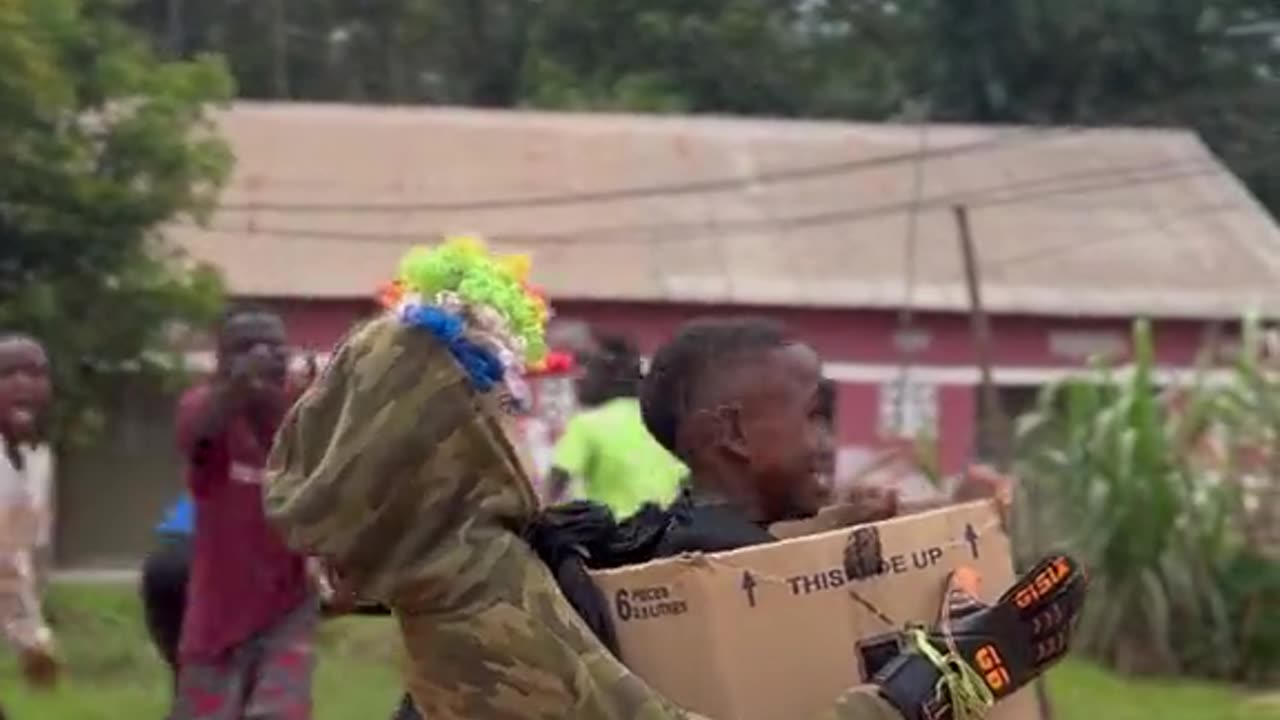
[{"x": 970, "y": 696}]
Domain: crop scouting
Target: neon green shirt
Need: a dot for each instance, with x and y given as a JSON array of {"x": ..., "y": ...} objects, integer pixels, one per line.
[{"x": 620, "y": 465}]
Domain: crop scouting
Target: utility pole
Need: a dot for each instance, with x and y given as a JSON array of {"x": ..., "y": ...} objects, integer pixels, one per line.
[
  {"x": 279, "y": 49},
  {"x": 906, "y": 316},
  {"x": 996, "y": 426}
]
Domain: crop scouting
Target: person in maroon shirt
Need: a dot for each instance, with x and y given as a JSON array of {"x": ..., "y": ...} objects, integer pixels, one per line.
[{"x": 248, "y": 633}]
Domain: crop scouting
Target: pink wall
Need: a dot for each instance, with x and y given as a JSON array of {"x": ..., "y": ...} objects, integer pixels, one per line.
[
  {"x": 319, "y": 324},
  {"x": 846, "y": 336},
  {"x": 858, "y": 424},
  {"x": 840, "y": 335},
  {"x": 867, "y": 335},
  {"x": 959, "y": 407}
]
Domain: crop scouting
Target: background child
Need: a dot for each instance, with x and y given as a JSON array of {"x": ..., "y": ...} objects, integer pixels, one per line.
[
  {"x": 25, "y": 470},
  {"x": 606, "y": 446},
  {"x": 247, "y": 638},
  {"x": 164, "y": 581}
]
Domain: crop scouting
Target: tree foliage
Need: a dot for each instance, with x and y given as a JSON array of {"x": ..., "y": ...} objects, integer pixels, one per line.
[
  {"x": 1132, "y": 62},
  {"x": 99, "y": 144}
]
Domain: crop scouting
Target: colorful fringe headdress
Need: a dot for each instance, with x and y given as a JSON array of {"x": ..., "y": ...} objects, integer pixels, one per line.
[{"x": 480, "y": 305}]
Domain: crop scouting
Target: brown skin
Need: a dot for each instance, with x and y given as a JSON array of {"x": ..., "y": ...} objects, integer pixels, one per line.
[
  {"x": 558, "y": 482},
  {"x": 760, "y": 440},
  {"x": 827, "y": 480},
  {"x": 251, "y": 375},
  {"x": 25, "y": 389},
  {"x": 871, "y": 504},
  {"x": 40, "y": 668},
  {"x": 343, "y": 598},
  {"x": 596, "y": 380},
  {"x": 299, "y": 379},
  {"x": 979, "y": 482}
]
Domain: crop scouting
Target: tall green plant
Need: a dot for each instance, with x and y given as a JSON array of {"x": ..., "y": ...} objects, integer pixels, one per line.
[
  {"x": 1248, "y": 430},
  {"x": 1248, "y": 422},
  {"x": 1106, "y": 465}
]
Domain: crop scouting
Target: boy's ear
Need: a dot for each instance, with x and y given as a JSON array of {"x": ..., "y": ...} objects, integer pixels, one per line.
[
  {"x": 730, "y": 434},
  {"x": 718, "y": 428}
]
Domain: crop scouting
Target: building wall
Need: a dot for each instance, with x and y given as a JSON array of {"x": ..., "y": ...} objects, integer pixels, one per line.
[
  {"x": 112, "y": 494},
  {"x": 864, "y": 350}
]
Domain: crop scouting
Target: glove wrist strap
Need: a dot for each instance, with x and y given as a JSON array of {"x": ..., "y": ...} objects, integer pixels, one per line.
[
  {"x": 910, "y": 683},
  {"x": 925, "y": 684}
]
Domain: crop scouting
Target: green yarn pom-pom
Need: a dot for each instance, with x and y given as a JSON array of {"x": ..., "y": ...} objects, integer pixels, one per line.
[{"x": 463, "y": 266}]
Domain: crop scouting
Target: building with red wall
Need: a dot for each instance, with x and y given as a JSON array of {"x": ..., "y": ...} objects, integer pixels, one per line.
[
  {"x": 639, "y": 223},
  {"x": 860, "y": 348}
]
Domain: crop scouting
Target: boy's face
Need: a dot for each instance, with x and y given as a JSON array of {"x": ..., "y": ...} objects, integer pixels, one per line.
[
  {"x": 261, "y": 333},
  {"x": 24, "y": 388},
  {"x": 596, "y": 377},
  {"x": 782, "y": 433},
  {"x": 827, "y": 481}
]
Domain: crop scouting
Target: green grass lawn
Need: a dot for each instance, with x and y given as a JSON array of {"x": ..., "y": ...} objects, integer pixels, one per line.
[{"x": 114, "y": 674}]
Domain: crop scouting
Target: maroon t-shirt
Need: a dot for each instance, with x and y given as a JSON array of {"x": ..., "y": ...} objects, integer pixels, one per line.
[{"x": 243, "y": 578}]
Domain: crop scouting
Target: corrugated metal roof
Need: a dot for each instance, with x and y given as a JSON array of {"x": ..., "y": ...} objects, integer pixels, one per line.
[{"x": 325, "y": 198}]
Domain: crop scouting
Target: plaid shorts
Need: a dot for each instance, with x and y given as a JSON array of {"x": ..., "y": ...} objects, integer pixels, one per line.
[{"x": 268, "y": 677}]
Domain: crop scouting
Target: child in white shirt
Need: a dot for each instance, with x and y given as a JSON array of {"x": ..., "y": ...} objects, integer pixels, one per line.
[{"x": 25, "y": 513}]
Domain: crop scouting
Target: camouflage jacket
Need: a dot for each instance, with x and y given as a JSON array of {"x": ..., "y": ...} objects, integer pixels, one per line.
[{"x": 405, "y": 479}]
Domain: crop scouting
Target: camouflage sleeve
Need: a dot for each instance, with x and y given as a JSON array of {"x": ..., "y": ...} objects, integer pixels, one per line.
[{"x": 861, "y": 703}]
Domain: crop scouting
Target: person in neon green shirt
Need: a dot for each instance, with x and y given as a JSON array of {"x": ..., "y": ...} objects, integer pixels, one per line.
[{"x": 607, "y": 447}]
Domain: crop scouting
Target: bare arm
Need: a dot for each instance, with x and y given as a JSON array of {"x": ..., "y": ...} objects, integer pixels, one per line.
[
  {"x": 558, "y": 482},
  {"x": 20, "y": 614},
  {"x": 21, "y": 618},
  {"x": 209, "y": 421},
  {"x": 249, "y": 387}
]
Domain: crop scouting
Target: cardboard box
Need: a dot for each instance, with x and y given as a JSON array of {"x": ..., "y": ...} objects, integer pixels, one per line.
[{"x": 778, "y": 632}]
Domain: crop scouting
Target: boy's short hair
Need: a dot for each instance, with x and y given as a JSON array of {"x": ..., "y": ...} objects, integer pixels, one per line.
[
  {"x": 621, "y": 357},
  {"x": 686, "y": 362},
  {"x": 244, "y": 309}
]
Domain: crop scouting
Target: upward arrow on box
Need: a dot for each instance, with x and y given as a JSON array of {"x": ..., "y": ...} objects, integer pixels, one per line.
[
  {"x": 971, "y": 537},
  {"x": 749, "y": 587}
]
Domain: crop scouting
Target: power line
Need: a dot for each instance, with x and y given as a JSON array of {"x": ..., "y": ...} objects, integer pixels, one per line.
[
  {"x": 913, "y": 224},
  {"x": 1075, "y": 246},
  {"x": 1153, "y": 175},
  {"x": 1029, "y": 190},
  {"x": 694, "y": 187},
  {"x": 906, "y": 312},
  {"x": 724, "y": 184}
]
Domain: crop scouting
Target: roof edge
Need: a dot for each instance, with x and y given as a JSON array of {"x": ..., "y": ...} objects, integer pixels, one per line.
[{"x": 712, "y": 119}]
